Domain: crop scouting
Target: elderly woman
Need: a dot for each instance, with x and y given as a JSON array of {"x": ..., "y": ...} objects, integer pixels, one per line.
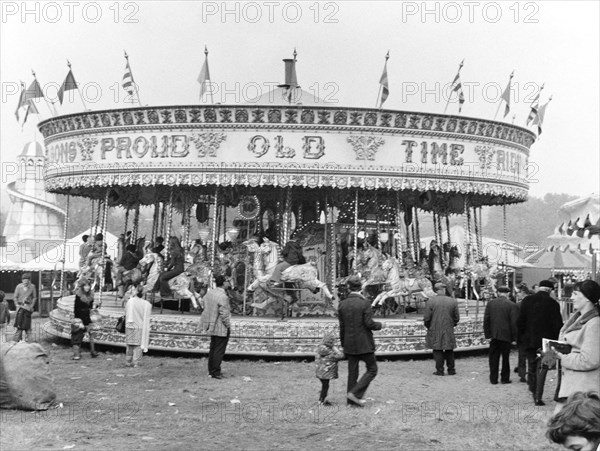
[
  {"x": 137, "y": 326},
  {"x": 580, "y": 368},
  {"x": 84, "y": 302}
]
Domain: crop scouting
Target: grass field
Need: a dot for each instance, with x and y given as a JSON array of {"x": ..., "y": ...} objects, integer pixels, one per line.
[{"x": 169, "y": 403}]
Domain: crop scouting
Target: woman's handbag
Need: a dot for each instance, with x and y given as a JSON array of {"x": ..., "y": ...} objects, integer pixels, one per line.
[{"x": 120, "y": 327}]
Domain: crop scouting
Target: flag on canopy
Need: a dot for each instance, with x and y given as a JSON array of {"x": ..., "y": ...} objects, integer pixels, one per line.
[
  {"x": 506, "y": 95},
  {"x": 457, "y": 87},
  {"x": 26, "y": 100},
  {"x": 539, "y": 119},
  {"x": 68, "y": 85},
  {"x": 128, "y": 83},
  {"x": 384, "y": 82},
  {"x": 204, "y": 76},
  {"x": 533, "y": 113}
]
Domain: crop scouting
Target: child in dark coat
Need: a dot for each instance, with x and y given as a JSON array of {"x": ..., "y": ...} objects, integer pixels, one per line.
[{"x": 327, "y": 364}]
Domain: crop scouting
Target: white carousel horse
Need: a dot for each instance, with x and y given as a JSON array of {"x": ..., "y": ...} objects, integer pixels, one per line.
[
  {"x": 151, "y": 265},
  {"x": 304, "y": 276},
  {"x": 256, "y": 254},
  {"x": 403, "y": 286},
  {"x": 482, "y": 279},
  {"x": 183, "y": 284}
]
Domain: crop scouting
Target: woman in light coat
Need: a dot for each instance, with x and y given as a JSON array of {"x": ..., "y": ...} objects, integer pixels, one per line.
[
  {"x": 580, "y": 369},
  {"x": 137, "y": 326}
]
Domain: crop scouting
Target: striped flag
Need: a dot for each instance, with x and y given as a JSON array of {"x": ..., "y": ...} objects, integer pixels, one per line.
[
  {"x": 533, "y": 113},
  {"x": 457, "y": 87},
  {"x": 506, "y": 95},
  {"x": 67, "y": 85},
  {"x": 204, "y": 76},
  {"x": 539, "y": 119},
  {"x": 384, "y": 82},
  {"x": 128, "y": 83}
]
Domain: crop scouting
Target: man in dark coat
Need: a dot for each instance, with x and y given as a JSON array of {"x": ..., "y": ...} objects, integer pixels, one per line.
[
  {"x": 356, "y": 336},
  {"x": 539, "y": 317},
  {"x": 441, "y": 316},
  {"x": 500, "y": 325}
]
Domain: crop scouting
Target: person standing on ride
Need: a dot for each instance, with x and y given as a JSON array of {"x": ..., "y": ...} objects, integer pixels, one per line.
[
  {"x": 441, "y": 317},
  {"x": 137, "y": 326},
  {"x": 84, "y": 302},
  {"x": 356, "y": 336},
  {"x": 25, "y": 297},
  {"x": 580, "y": 368},
  {"x": 292, "y": 255},
  {"x": 175, "y": 266},
  {"x": 216, "y": 322},
  {"x": 84, "y": 250},
  {"x": 97, "y": 247},
  {"x": 539, "y": 317},
  {"x": 500, "y": 326}
]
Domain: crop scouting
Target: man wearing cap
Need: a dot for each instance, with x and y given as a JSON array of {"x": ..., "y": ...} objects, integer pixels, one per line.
[
  {"x": 441, "y": 317},
  {"x": 356, "y": 336},
  {"x": 500, "y": 326},
  {"x": 539, "y": 317},
  {"x": 25, "y": 298}
]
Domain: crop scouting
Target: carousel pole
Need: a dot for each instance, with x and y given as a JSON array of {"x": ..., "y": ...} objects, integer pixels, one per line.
[
  {"x": 103, "y": 267},
  {"x": 448, "y": 229},
  {"x": 326, "y": 240},
  {"x": 418, "y": 234},
  {"x": 154, "y": 222},
  {"x": 467, "y": 253},
  {"x": 64, "y": 252},
  {"x": 126, "y": 220},
  {"x": 92, "y": 218},
  {"x": 355, "y": 260},
  {"x": 477, "y": 233},
  {"x": 214, "y": 230},
  {"x": 399, "y": 244},
  {"x": 333, "y": 252},
  {"x": 169, "y": 222},
  {"x": 440, "y": 242},
  {"x": 504, "y": 241},
  {"x": 136, "y": 222}
]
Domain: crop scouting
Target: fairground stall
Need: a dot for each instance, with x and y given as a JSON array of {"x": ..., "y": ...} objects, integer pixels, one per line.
[{"x": 350, "y": 184}]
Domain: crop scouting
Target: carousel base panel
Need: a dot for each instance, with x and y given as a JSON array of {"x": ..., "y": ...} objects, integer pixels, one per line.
[{"x": 261, "y": 336}]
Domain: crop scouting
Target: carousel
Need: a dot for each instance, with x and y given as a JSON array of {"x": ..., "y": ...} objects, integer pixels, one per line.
[{"x": 231, "y": 186}]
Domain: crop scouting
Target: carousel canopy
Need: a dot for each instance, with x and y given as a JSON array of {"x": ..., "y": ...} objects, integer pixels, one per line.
[
  {"x": 580, "y": 217},
  {"x": 52, "y": 258},
  {"x": 492, "y": 248}
]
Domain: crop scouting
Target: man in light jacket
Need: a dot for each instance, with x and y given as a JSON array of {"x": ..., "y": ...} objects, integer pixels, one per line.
[{"x": 216, "y": 322}]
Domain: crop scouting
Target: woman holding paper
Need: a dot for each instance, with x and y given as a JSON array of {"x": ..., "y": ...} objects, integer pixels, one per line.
[{"x": 580, "y": 369}]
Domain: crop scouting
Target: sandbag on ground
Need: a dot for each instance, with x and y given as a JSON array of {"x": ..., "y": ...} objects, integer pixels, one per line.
[{"x": 25, "y": 379}]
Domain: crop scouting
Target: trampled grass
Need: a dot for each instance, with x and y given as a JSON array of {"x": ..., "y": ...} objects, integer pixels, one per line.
[{"x": 170, "y": 403}]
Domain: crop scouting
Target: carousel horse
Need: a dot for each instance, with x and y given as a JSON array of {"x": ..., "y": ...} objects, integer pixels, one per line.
[
  {"x": 452, "y": 254},
  {"x": 256, "y": 255},
  {"x": 402, "y": 286},
  {"x": 132, "y": 276},
  {"x": 151, "y": 266},
  {"x": 298, "y": 276},
  {"x": 372, "y": 270},
  {"x": 482, "y": 278},
  {"x": 434, "y": 260},
  {"x": 95, "y": 269},
  {"x": 184, "y": 284}
]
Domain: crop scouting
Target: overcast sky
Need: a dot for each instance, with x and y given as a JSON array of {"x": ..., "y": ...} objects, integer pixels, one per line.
[{"x": 341, "y": 48}]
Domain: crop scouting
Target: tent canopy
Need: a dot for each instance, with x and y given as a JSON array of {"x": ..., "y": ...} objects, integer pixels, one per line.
[
  {"x": 492, "y": 248},
  {"x": 51, "y": 259},
  {"x": 560, "y": 259}
]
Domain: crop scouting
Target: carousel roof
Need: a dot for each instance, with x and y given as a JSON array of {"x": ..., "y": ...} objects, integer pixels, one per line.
[{"x": 282, "y": 96}]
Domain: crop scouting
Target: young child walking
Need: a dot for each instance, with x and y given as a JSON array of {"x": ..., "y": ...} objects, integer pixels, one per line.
[{"x": 327, "y": 364}]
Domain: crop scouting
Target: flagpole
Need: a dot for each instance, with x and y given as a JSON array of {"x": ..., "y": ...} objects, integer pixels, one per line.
[
  {"x": 450, "y": 96},
  {"x": 212, "y": 100},
  {"x": 537, "y": 99},
  {"x": 52, "y": 110},
  {"x": 137, "y": 93},
  {"x": 77, "y": 85}
]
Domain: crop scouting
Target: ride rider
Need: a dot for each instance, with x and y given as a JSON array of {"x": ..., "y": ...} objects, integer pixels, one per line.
[{"x": 292, "y": 255}]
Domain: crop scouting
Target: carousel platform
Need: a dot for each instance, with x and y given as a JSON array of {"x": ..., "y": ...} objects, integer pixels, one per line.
[{"x": 265, "y": 336}]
